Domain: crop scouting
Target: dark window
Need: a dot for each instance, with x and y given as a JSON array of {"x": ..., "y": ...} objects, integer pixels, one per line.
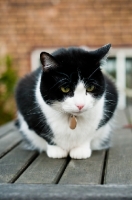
[{"x": 110, "y": 67}]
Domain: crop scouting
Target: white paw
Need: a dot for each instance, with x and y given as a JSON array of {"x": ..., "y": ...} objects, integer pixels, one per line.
[
  {"x": 80, "y": 153},
  {"x": 56, "y": 152}
]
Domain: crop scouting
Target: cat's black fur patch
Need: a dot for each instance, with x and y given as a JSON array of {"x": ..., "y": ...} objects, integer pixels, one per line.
[
  {"x": 26, "y": 103},
  {"x": 111, "y": 99}
]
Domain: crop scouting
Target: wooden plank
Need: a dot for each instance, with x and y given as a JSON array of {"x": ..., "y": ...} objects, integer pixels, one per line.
[
  {"x": 86, "y": 172},
  {"x": 119, "y": 164},
  {"x": 4, "y": 129},
  {"x": 13, "y": 164},
  {"x": 64, "y": 192},
  {"x": 129, "y": 109},
  {"x": 43, "y": 170},
  {"x": 120, "y": 120},
  {"x": 9, "y": 141}
]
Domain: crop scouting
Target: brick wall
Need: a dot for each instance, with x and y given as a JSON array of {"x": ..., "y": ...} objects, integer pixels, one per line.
[{"x": 26, "y": 25}]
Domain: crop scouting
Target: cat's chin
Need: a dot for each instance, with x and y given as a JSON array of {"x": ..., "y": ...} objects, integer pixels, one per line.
[{"x": 78, "y": 113}]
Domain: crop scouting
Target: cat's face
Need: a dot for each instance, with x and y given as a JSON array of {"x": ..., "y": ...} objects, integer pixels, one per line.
[
  {"x": 72, "y": 81},
  {"x": 81, "y": 101}
]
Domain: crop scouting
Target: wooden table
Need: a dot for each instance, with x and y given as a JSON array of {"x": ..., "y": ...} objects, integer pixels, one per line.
[{"x": 107, "y": 174}]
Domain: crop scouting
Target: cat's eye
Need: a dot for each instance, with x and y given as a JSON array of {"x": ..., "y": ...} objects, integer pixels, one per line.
[
  {"x": 90, "y": 88},
  {"x": 65, "y": 90}
]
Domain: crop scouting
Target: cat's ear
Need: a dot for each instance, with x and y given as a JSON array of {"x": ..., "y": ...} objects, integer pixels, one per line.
[
  {"x": 101, "y": 52},
  {"x": 48, "y": 62}
]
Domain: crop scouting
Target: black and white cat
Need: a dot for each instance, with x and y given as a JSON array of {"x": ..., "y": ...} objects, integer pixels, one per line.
[{"x": 70, "y": 83}]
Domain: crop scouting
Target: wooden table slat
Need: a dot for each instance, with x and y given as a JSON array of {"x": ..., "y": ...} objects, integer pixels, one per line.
[
  {"x": 9, "y": 141},
  {"x": 130, "y": 114},
  {"x": 64, "y": 192},
  {"x": 12, "y": 164},
  {"x": 84, "y": 172},
  {"x": 4, "y": 129},
  {"x": 119, "y": 164},
  {"x": 43, "y": 170},
  {"x": 121, "y": 119}
]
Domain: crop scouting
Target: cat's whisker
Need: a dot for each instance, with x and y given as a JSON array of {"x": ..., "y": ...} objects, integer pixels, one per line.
[
  {"x": 106, "y": 116},
  {"x": 36, "y": 106},
  {"x": 91, "y": 82},
  {"x": 96, "y": 84},
  {"x": 33, "y": 109},
  {"x": 109, "y": 93},
  {"x": 45, "y": 95},
  {"x": 93, "y": 72},
  {"x": 108, "y": 111},
  {"x": 38, "y": 123},
  {"x": 63, "y": 74},
  {"x": 66, "y": 85},
  {"x": 60, "y": 110},
  {"x": 110, "y": 102},
  {"x": 57, "y": 83},
  {"x": 33, "y": 113}
]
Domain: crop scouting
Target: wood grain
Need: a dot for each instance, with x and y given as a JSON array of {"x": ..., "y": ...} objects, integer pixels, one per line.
[
  {"x": 9, "y": 141},
  {"x": 119, "y": 164},
  {"x": 129, "y": 109},
  {"x": 13, "y": 164},
  {"x": 86, "y": 172},
  {"x": 43, "y": 170},
  {"x": 64, "y": 192},
  {"x": 6, "y": 128}
]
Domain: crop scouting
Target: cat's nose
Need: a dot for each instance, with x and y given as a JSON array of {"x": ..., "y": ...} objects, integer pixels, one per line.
[{"x": 80, "y": 107}]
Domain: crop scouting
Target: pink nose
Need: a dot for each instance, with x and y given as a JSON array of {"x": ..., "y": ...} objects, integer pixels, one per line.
[{"x": 80, "y": 107}]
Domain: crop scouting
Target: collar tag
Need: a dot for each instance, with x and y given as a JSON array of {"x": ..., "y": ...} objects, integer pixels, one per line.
[{"x": 72, "y": 122}]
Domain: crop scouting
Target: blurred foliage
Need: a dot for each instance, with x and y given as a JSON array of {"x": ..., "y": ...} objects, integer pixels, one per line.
[{"x": 8, "y": 78}]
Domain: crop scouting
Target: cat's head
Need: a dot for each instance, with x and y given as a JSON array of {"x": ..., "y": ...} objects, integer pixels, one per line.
[{"x": 72, "y": 80}]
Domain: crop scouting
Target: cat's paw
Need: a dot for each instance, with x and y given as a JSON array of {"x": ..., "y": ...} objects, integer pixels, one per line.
[
  {"x": 56, "y": 152},
  {"x": 80, "y": 153}
]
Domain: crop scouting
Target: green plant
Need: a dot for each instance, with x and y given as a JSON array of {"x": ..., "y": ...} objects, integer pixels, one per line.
[{"x": 8, "y": 78}]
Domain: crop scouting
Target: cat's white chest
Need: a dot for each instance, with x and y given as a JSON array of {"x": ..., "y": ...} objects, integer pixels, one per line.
[{"x": 68, "y": 138}]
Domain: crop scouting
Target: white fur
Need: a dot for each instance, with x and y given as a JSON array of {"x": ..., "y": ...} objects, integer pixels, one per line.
[
  {"x": 36, "y": 141},
  {"x": 56, "y": 152},
  {"x": 78, "y": 143}
]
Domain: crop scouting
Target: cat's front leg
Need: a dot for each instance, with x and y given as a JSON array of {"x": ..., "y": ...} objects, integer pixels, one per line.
[
  {"x": 56, "y": 152},
  {"x": 81, "y": 152}
]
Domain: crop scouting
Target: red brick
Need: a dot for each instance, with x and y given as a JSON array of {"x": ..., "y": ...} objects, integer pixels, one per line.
[{"x": 26, "y": 25}]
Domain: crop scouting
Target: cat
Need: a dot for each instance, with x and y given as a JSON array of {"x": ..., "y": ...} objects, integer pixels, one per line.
[{"x": 69, "y": 87}]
